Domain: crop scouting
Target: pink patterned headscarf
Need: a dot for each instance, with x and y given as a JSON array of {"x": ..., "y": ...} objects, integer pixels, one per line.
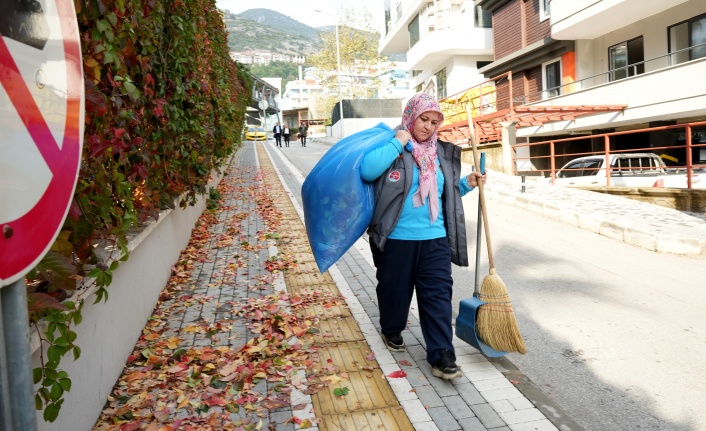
[{"x": 424, "y": 153}]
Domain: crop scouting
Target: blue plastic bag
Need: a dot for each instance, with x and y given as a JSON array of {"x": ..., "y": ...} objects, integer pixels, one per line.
[{"x": 338, "y": 203}]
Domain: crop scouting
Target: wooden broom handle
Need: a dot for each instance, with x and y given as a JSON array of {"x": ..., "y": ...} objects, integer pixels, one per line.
[{"x": 476, "y": 162}]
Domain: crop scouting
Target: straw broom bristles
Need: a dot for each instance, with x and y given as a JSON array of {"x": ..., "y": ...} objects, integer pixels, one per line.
[{"x": 495, "y": 322}]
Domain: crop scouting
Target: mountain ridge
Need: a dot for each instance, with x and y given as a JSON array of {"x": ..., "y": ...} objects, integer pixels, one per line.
[
  {"x": 262, "y": 29},
  {"x": 268, "y": 30}
]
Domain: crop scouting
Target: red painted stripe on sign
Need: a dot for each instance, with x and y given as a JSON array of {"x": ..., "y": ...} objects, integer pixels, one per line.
[{"x": 20, "y": 96}]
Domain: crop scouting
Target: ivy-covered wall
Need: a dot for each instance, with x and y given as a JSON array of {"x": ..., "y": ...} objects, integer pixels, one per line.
[{"x": 165, "y": 105}]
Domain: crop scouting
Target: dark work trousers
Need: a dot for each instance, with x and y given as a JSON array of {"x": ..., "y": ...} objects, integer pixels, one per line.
[
  {"x": 278, "y": 139},
  {"x": 426, "y": 266}
]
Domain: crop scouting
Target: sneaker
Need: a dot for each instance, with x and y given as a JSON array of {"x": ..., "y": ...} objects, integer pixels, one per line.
[
  {"x": 446, "y": 368},
  {"x": 394, "y": 342}
]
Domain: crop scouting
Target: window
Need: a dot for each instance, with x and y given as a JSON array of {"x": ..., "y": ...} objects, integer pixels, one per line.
[
  {"x": 544, "y": 9},
  {"x": 419, "y": 88},
  {"x": 571, "y": 170},
  {"x": 388, "y": 17},
  {"x": 626, "y": 59},
  {"x": 441, "y": 84},
  {"x": 551, "y": 79},
  {"x": 687, "y": 40},
  {"x": 483, "y": 18},
  {"x": 413, "y": 30}
]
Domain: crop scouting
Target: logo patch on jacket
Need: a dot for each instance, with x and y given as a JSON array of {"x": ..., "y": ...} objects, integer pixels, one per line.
[{"x": 394, "y": 176}]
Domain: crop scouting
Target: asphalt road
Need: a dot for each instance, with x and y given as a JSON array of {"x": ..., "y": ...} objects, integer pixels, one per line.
[{"x": 616, "y": 334}]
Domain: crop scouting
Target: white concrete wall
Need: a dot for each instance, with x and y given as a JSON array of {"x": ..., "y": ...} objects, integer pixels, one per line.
[
  {"x": 354, "y": 125},
  {"x": 586, "y": 19},
  {"x": 110, "y": 329},
  {"x": 653, "y": 30},
  {"x": 462, "y": 73}
]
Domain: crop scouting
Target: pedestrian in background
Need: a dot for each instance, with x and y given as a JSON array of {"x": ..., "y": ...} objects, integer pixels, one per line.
[
  {"x": 285, "y": 133},
  {"x": 303, "y": 129},
  {"x": 418, "y": 229},
  {"x": 277, "y": 131}
]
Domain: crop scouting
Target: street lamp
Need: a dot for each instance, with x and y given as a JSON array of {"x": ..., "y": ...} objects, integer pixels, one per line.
[{"x": 338, "y": 61}]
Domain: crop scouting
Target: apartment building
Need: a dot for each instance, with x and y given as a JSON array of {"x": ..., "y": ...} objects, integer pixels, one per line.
[
  {"x": 582, "y": 67},
  {"x": 264, "y": 57},
  {"x": 300, "y": 93},
  {"x": 446, "y": 42}
]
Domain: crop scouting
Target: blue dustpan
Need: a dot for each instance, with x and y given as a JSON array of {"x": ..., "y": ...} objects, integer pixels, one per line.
[{"x": 466, "y": 327}]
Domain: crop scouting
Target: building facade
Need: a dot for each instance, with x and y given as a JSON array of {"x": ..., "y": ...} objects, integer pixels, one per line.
[
  {"x": 641, "y": 62},
  {"x": 446, "y": 42}
]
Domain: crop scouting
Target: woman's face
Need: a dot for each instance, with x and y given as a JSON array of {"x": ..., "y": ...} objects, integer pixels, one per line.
[{"x": 425, "y": 124}]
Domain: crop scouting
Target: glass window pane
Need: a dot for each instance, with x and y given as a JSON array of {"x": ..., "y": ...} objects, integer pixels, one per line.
[
  {"x": 678, "y": 40},
  {"x": 618, "y": 61},
  {"x": 441, "y": 84},
  {"x": 413, "y": 30},
  {"x": 552, "y": 79},
  {"x": 698, "y": 36}
]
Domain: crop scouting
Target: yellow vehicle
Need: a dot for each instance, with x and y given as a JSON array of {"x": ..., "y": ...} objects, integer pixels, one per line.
[{"x": 256, "y": 134}]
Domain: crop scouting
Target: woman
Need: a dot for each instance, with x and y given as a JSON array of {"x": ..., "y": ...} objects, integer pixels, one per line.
[
  {"x": 285, "y": 133},
  {"x": 418, "y": 230}
]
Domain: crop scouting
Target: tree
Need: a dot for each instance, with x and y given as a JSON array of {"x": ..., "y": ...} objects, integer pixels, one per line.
[
  {"x": 360, "y": 61},
  {"x": 277, "y": 69}
]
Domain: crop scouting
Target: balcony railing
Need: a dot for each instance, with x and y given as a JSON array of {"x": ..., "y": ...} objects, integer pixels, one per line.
[{"x": 651, "y": 65}]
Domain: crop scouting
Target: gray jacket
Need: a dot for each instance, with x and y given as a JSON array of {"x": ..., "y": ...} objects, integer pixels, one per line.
[{"x": 390, "y": 197}]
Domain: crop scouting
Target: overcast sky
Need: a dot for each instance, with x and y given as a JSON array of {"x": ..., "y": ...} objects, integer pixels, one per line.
[{"x": 303, "y": 10}]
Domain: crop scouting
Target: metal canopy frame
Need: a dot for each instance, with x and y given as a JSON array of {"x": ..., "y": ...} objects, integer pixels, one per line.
[{"x": 489, "y": 127}]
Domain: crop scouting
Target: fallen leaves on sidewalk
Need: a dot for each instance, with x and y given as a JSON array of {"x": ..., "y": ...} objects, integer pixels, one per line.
[{"x": 172, "y": 382}]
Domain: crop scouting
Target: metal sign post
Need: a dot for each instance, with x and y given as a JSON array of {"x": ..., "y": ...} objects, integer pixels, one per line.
[
  {"x": 16, "y": 399},
  {"x": 41, "y": 119}
]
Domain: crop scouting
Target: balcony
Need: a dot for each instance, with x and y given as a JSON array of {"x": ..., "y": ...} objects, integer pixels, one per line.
[
  {"x": 676, "y": 92},
  {"x": 589, "y": 19},
  {"x": 438, "y": 46},
  {"x": 397, "y": 40}
]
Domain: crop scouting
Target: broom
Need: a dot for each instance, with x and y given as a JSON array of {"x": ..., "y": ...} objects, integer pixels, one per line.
[{"x": 496, "y": 322}]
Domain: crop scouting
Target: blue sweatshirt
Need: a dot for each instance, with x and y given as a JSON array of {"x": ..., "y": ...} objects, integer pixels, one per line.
[{"x": 414, "y": 223}]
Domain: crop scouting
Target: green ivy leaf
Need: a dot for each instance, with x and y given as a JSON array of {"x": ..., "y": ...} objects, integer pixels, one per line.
[
  {"x": 340, "y": 392},
  {"x": 37, "y": 375},
  {"x": 51, "y": 412},
  {"x": 56, "y": 392}
]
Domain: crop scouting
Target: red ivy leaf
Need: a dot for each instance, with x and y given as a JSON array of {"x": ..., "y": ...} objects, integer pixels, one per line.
[
  {"x": 397, "y": 374},
  {"x": 42, "y": 301}
]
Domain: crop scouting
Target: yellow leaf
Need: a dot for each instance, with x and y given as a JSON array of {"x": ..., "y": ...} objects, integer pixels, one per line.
[
  {"x": 183, "y": 403},
  {"x": 173, "y": 342},
  {"x": 333, "y": 379}
]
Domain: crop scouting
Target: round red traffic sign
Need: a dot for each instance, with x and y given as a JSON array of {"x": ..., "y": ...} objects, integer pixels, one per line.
[{"x": 41, "y": 128}]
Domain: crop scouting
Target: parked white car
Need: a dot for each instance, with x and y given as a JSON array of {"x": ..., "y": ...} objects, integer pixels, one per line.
[{"x": 626, "y": 170}]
